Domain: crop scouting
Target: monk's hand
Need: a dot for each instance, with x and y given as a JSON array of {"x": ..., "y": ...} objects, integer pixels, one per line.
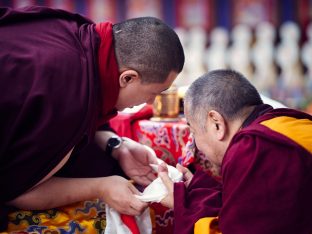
[
  {"x": 119, "y": 193},
  {"x": 187, "y": 175},
  {"x": 135, "y": 159},
  {"x": 168, "y": 201}
]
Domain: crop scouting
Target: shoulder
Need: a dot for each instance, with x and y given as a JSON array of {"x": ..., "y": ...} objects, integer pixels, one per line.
[
  {"x": 30, "y": 13},
  {"x": 264, "y": 144}
]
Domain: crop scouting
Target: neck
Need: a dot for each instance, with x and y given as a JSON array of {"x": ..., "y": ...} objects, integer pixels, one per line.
[{"x": 236, "y": 124}]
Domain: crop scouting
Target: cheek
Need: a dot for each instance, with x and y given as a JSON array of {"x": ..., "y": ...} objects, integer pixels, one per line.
[
  {"x": 204, "y": 146},
  {"x": 136, "y": 99},
  {"x": 200, "y": 143}
]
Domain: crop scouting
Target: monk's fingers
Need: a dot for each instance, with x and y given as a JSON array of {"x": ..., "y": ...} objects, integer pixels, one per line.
[
  {"x": 151, "y": 176},
  {"x": 134, "y": 208},
  {"x": 142, "y": 180},
  {"x": 137, "y": 207},
  {"x": 166, "y": 180},
  {"x": 187, "y": 174}
]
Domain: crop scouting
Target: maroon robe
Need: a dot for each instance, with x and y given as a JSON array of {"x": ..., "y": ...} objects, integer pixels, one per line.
[
  {"x": 266, "y": 183},
  {"x": 50, "y": 95}
]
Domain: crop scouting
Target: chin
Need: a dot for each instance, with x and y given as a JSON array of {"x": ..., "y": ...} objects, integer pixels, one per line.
[{"x": 120, "y": 108}]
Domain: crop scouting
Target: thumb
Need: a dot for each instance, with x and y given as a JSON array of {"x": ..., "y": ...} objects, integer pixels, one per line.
[
  {"x": 163, "y": 174},
  {"x": 152, "y": 158}
]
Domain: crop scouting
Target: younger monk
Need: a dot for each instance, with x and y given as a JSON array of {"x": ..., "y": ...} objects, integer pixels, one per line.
[
  {"x": 63, "y": 77},
  {"x": 264, "y": 156}
]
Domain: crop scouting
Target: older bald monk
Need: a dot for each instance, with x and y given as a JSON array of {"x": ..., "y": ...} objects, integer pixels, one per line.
[{"x": 264, "y": 156}]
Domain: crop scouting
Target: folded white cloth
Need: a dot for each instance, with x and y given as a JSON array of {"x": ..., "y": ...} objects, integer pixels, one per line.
[{"x": 156, "y": 191}]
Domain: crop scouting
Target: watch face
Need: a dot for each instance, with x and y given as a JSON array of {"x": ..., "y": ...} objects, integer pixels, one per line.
[{"x": 114, "y": 142}]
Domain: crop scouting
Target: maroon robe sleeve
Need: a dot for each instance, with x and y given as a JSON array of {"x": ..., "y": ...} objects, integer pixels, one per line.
[
  {"x": 202, "y": 198},
  {"x": 48, "y": 88},
  {"x": 266, "y": 185}
]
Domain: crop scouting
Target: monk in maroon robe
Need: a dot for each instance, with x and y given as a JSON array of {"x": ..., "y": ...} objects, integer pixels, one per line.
[
  {"x": 264, "y": 156},
  {"x": 62, "y": 78}
]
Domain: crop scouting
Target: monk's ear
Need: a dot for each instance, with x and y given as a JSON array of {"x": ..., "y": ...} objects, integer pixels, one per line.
[
  {"x": 127, "y": 77},
  {"x": 217, "y": 124}
]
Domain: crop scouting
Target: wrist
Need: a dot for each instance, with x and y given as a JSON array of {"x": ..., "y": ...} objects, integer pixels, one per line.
[{"x": 101, "y": 187}]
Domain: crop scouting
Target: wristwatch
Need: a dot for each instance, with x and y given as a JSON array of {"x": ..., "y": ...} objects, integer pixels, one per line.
[{"x": 114, "y": 142}]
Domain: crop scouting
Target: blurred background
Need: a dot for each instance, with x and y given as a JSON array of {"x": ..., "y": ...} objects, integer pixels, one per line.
[{"x": 269, "y": 41}]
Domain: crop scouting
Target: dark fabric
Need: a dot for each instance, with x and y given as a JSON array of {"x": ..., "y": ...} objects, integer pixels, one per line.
[
  {"x": 258, "y": 111},
  {"x": 50, "y": 93},
  {"x": 201, "y": 199},
  {"x": 106, "y": 127},
  {"x": 3, "y": 217},
  {"x": 266, "y": 183},
  {"x": 91, "y": 161}
]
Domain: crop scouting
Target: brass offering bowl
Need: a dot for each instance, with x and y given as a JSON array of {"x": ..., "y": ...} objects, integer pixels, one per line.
[{"x": 166, "y": 104}]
